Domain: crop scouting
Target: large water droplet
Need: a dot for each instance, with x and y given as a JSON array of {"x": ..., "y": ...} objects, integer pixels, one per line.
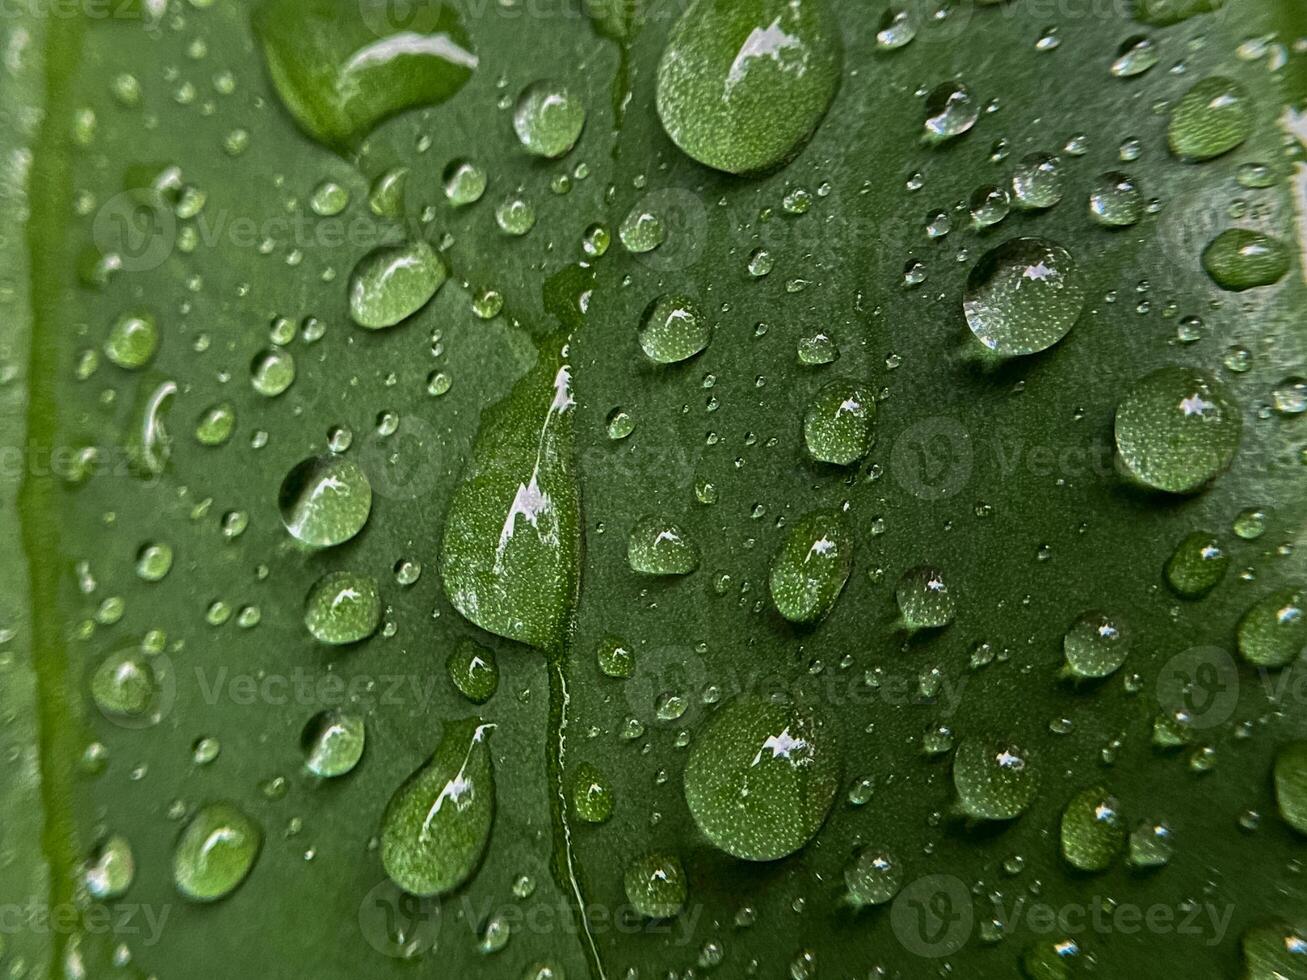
[
  {"x": 1273, "y": 631},
  {"x": 1239, "y": 259},
  {"x": 838, "y": 423},
  {"x": 924, "y": 599},
  {"x": 743, "y": 83},
  {"x": 392, "y": 283},
  {"x": 1197, "y": 565},
  {"x": 333, "y": 742},
  {"x": 215, "y": 853},
  {"x": 1023, "y": 296},
  {"x": 510, "y": 560},
  {"x": 342, "y": 608},
  {"x": 325, "y": 500},
  {"x": 761, "y": 777},
  {"x": 811, "y": 566},
  {"x": 674, "y": 328},
  {"x": 341, "y": 68},
  {"x": 1212, "y": 118},
  {"x": 1176, "y": 430},
  {"x": 548, "y": 119},
  {"x": 437, "y": 823},
  {"x": 994, "y": 780},
  {"x": 1093, "y": 830}
]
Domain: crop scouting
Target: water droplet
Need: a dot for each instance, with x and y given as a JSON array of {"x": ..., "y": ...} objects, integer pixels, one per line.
[
  {"x": 742, "y": 84},
  {"x": 838, "y": 423},
  {"x": 950, "y": 112},
  {"x": 674, "y": 328},
  {"x": 1023, "y": 296},
  {"x": 343, "y": 607},
  {"x": 994, "y": 780},
  {"x": 924, "y": 599},
  {"x": 1037, "y": 182},
  {"x": 816, "y": 349},
  {"x": 1274, "y": 951},
  {"x": 1197, "y": 565},
  {"x": 641, "y": 231},
  {"x": 1150, "y": 845},
  {"x": 464, "y": 182},
  {"x": 515, "y": 215},
  {"x": 658, "y": 547},
  {"x": 592, "y": 794},
  {"x": 325, "y": 500},
  {"x": 988, "y": 206},
  {"x": 896, "y": 30},
  {"x": 111, "y": 868},
  {"x": 329, "y": 199},
  {"x": 873, "y": 877},
  {"x": 1273, "y": 631},
  {"x": 620, "y": 424},
  {"x": 510, "y": 558},
  {"x": 392, "y": 283},
  {"x": 655, "y": 885},
  {"x": 133, "y": 339},
  {"x": 473, "y": 670},
  {"x": 1095, "y": 646},
  {"x": 437, "y": 823},
  {"x": 1239, "y": 259},
  {"x": 333, "y": 743},
  {"x": 1135, "y": 56},
  {"x": 1115, "y": 201},
  {"x": 761, "y": 777},
  {"x": 215, "y": 426},
  {"x": 125, "y": 685},
  {"x": 1291, "y": 784},
  {"x": 1176, "y": 430},
  {"x": 341, "y": 69},
  {"x": 548, "y": 119},
  {"x": 615, "y": 657},
  {"x": 272, "y": 371},
  {"x": 810, "y": 568},
  {"x": 153, "y": 561},
  {"x": 215, "y": 853},
  {"x": 1212, "y": 118}
]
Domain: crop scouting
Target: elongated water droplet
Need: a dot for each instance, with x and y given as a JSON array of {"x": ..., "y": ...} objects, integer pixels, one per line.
[
  {"x": 674, "y": 328},
  {"x": 656, "y": 546},
  {"x": 437, "y": 823},
  {"x": 810, "y": 568},
  {"x": 1093, "y": 830},
  {"x": 950, "y": 112},
  {"x": 340, "y": 69},
  {"x": 1273, "y": 631},
  {"x": 742, "y": 84},
  {"x": 215, "y": 853},
  {"x": 1197, "y": 565},
  {"x": 473, "y": 670},
  {"x": 325, "y": 500},
  {"x": 392, "y": 283},
  {"x": 838, "y": 423},
  {"x": 1290, "y": 774},
  {"x": 761, "y": 777},
  {"x": 1023, "y": 296},
  {"x": 1212, "y": 118},
  {"x": 1176, "y": 430},
  {"x": 1239, "y": 259},
  {"x": 592, "y": 794},
  {"x": 1135, "y": 56},
  {"x": 333, "y": 742},
  {"x": 342, "y": 608},
  {"x": 510, "y": 559},
  {"x": 994, "y": 780}
]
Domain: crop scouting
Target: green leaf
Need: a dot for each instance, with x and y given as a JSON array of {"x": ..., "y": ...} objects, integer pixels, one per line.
[{"x": 600, "y": 414}]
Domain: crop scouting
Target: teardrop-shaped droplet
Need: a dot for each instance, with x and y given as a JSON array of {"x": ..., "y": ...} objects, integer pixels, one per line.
[
  {"x": 215, "y": 853},
  {"x": 333, "y": 742},
  {"x": 1093, "y": 830},
  {"x": 656, "y": 546},
  {"x": 592, "y": 794},
  {"x": 761, "y": 777},
  {"x": 994, "y": 780},
  {"x": 342, "y": 68},
  {"x": 924, "y": 599},
  {"x": 111, "y": 868},
  {"x": 510, "y": 560},
  {"x": 1176, "y": 430},
  {"x": 810, "y": 568},
  {"x": 392, "y": 283},
  {"x": 325, "y": 500},
  {"x": 1095, "y": 646},
  {"x": 1273, "y": 631},
  {"x": 838, "y": 423},
  {"x": 1197, "y": 565},
  {"x": 1023, "y": 296},
  {"x": 1135, "y": 56},
  {"x": 473, "y": 670},
  {"x": 437, "y": 823},
  {"x": 548, "y": 119},
  {"x": 1239, "y": 259},
  {"x": 1212, "y": 118},
  {"x": 742, "y": 84},
  {"x": 674, "y": 328},
  {"x": 342, "y": 608},
  {"x": 655, "y": 885}
]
